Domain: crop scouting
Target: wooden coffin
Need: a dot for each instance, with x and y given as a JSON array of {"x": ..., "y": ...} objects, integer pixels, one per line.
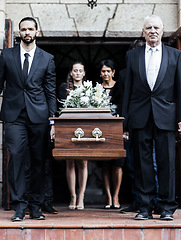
[{"x": 89, "y": 134}]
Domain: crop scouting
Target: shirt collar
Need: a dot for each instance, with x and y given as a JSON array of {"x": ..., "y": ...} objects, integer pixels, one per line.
[
  {"x": 31, "y": 52},
  {"x": 158, "y": 48}
]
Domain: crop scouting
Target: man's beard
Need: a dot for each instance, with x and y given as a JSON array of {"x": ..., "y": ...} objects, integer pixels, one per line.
[{"x": 29, "y": 40}]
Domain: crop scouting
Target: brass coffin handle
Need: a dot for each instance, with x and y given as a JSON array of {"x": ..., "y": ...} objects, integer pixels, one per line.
[{"x": 96, "y": 133}]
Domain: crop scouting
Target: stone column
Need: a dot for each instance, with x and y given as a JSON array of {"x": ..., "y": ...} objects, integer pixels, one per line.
[{"x": 2, "y": 34}]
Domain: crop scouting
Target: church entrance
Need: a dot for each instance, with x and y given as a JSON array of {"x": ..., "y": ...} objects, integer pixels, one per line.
[
  {"x": 88, "y": 51},
  {"x": 91, "y": 52}
]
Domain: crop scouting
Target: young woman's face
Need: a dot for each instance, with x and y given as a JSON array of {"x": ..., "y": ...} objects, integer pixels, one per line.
[
  {"x": 77, "y": 72},
  {"x": 107, "y": 73}
]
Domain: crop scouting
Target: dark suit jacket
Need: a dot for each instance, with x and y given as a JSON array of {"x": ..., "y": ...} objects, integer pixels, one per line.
[
  {"x": 37, "y": 94},
  {"x": 139, "y": 100}
]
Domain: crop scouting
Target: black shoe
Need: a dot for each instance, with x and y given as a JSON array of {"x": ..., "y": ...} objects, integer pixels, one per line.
[
  {"x": 143, "y": 216},
  {"x": 168, "y": 216},
  {"x": 47, "y": 208},
  {"x": 37, "y": 215},
  {"x": 129, "y": 209},
  {"x": 18, "y": 216}
]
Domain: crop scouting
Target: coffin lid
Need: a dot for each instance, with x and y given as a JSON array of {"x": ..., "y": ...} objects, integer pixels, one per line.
[{"x": 86, "y": 113}]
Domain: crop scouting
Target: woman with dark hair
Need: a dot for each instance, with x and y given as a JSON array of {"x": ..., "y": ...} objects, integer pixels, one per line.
[
  {"x": 75, "y": 78},
  {"x": 111, "y": 170}
]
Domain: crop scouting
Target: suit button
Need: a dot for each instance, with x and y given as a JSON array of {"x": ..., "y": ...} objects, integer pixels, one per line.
[{"x": 25, "y": 89}]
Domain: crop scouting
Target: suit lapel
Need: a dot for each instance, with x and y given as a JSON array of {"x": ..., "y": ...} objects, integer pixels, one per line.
[
  {"x": 34, "y": 65},
  {"x": 17, "y": 60},
  {"x": 163, "y": 68},
  {"x": 142, "y": 68}
]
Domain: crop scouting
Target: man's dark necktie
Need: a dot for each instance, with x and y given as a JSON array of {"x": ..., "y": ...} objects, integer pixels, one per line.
[{"x": 25, "y": 67}]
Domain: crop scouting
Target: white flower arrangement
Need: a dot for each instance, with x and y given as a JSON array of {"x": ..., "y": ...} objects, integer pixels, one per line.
[{"x": 87, "y": 96}]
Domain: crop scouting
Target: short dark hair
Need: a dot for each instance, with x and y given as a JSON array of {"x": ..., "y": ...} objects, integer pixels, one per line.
[
  {"x": 29, "y": 19},
  {"x": 108, "y": 63}
]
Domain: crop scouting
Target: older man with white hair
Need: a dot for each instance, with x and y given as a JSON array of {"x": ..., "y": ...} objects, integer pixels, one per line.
[{"x": 153, "y": 87}]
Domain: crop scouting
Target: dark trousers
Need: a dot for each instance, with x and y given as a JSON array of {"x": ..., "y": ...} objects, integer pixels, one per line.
[
  {"x": 129, "y": 163},
  {"x": 47, "y": 190},
  {"x": 48, "y": 173},
  {"x": 17, "y": 135},
  {"x": 144, "y": 167}
]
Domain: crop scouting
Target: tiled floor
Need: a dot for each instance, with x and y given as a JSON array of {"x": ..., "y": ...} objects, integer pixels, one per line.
[{"x": 93, "y": 223}]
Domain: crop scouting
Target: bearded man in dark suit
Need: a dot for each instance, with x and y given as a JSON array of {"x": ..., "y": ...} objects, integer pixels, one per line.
[
  {"x": 153, "y": 86},
  {"x": 27, "y": 75}
]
